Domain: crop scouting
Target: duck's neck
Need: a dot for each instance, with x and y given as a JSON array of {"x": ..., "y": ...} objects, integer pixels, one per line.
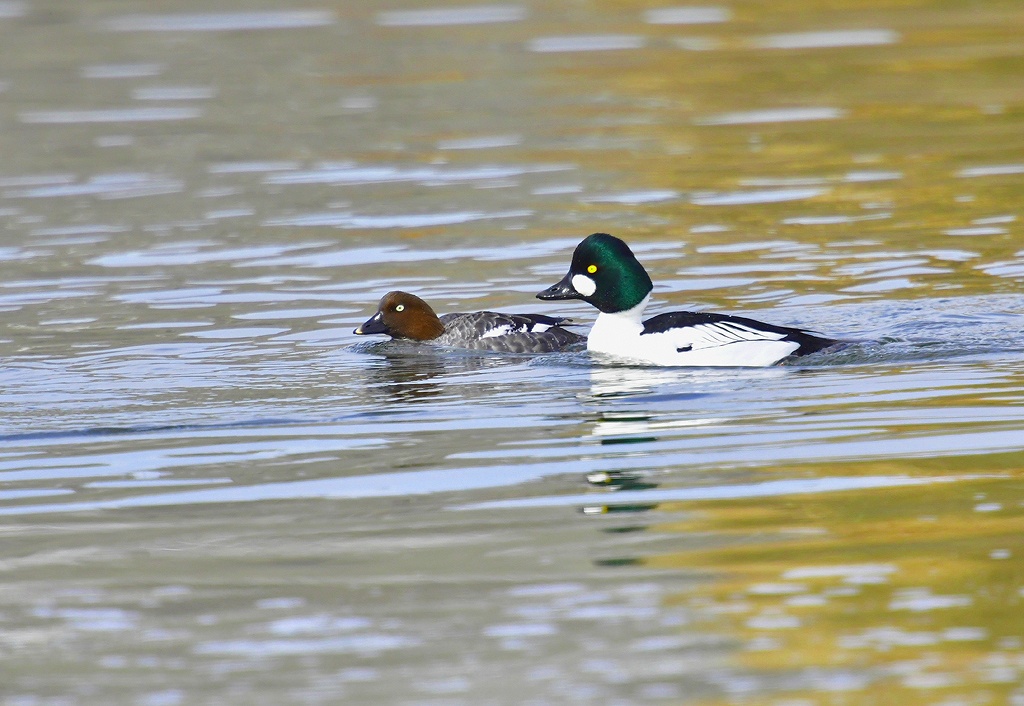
[
  {"x": 425, "y": 328},
  {"x": 610, "y": 329}
]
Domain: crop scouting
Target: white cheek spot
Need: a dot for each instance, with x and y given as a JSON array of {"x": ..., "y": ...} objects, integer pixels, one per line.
[{"x": 584, "y": 285}]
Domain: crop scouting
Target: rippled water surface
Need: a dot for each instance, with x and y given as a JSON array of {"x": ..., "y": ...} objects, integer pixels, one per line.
[{"x": 212, "y": 492}]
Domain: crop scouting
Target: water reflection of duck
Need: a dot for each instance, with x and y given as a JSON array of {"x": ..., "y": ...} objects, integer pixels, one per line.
[
  {"x": 605, "y": 273},
  {"x": 409, "y": 372},
  {"x": 404, "y": 315},
  {"x": 403, "y": 375}
]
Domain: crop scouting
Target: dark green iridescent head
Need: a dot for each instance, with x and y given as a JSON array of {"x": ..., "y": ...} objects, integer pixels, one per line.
[{"x": 615, "y": 279}]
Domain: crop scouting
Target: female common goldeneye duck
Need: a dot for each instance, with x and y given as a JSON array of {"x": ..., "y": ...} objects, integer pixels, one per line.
[
  {"x": 404, "y": 315},
  {"x": 605, "y": 273}
]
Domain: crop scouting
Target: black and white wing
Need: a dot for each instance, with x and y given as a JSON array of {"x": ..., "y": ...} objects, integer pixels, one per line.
[
  {"x": 514, "y": 333},
  {"x": 700, "y": 330}
]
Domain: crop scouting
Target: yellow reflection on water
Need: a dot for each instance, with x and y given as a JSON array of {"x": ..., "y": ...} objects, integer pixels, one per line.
[
  {"x": 895, "y": 596},
  {"x": 886, "y": 107}
]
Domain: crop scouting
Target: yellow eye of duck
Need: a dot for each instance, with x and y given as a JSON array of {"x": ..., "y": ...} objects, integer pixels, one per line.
[
  {"x": 591, "y": 269},
  {"x": 400, "y": 307}
]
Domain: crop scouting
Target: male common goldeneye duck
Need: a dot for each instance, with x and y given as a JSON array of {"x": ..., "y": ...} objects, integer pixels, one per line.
[
  {"x": 605, "y": 273},
  {"x": 404, "y": 315}
]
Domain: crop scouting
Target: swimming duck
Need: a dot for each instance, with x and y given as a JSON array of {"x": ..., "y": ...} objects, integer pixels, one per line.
[
  {"x": 605, "y": 273},
  {"x": 404, "y": 315}
]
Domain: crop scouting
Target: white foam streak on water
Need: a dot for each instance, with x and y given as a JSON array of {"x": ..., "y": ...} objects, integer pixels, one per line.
[
  {"x": 833, "y": 220},
  {"x": 976, "y": 230},
  {"x": 362, "y": 645},
  {"x": 96, "y": 229},
  {"x": 441, "y": 17},
  {"x": 635, "y": 197},
  {"x": 109, "y": 71},
  {"x": 278, "y": 314},
  {"x": 1007, "y": 218},
  {"x": 480, "y": 143},
  {"x": 238, "y": 333},
  {"x": 190, "y": 254},
  {"x": 776, "y": 115},
  {"x": 784, "y": 181},
  {"x": 584, "y": 43},
  {"x": 1011, "y": 269},
  {"x": 992, "y": 170},
  {"x": 252, "y": 167},
  {"x": 37, "y": 180},
  {"x": 841, "y": 570},
  {"x": 693, "y": 15},
  {"x": 25, "y": 493},
  {"x": 355, "y": 174},
  {"x": 862, "y": 176},
  {"x": 108, "y": 115},
  {"x": 220, "y": 21},
  {"x": 48, "y": 294},
  {"x": 174, "y": 93},
  {"x": 746, "y": 269},
  {"x": 105, "y": 186},
  {"x": 741, "y": 198},
  {"x": 399, "y": 253},
  {"x": 828, "y": 39},
  {"x": 418, "y": 220},
  {"x": 557, "y": 190},
  {"x": 881, "y": 286},
  {"x": 136, "y": 462}
]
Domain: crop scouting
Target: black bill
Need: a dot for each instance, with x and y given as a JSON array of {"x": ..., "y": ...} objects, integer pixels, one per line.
[
  {"x": 562, "y": 290},
  {"x": 375, "y": 324}
]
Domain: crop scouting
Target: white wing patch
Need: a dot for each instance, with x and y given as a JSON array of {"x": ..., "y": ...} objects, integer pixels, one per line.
[
  {"x": 502, "y": 330},
  {"x": 538, "y": 327}
]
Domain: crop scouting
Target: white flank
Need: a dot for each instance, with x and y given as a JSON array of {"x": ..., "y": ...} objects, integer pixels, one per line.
[
  {"x": 721, "y": 344},
  {"x": 584, "y": 285}
]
